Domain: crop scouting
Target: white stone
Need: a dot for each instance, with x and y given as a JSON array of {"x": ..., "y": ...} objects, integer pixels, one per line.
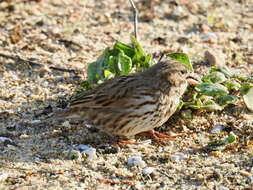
[
  {"x": 91, "y": 153},
  {"x": 5, "y": 139},
  {"x": 177, "y": 156},
  {"x": 217, "y": 129},
  {"x": 136, "y": 161},
  {"x": 148, "y": 170},
  {"x": 3, "y": 176}
]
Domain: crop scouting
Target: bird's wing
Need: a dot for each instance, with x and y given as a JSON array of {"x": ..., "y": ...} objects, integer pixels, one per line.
[{"x": 119, "y": 92}]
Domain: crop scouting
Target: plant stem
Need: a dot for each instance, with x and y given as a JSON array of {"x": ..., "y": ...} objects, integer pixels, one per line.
[{"x": 135, "y": 19}]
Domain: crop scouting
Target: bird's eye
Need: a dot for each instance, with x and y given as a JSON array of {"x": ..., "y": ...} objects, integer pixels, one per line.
[{"x": 183, "y": 72}]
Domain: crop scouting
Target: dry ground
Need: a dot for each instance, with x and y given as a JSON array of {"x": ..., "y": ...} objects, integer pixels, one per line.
[{"x": 45, "y": 47}]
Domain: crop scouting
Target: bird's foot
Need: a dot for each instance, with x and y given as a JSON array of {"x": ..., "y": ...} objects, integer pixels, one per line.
[{"x": 159, "y": 137}]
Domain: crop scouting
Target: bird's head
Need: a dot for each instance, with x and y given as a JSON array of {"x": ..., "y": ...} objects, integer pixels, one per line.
[{"x": 176, "y": 73}]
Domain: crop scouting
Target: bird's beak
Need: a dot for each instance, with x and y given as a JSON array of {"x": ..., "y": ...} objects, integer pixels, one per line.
[{"x": 193, "y": 79}]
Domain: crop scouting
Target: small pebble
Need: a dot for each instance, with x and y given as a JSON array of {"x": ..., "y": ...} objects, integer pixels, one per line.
[
  {"x": 14, "y": 77},
  {"x": 3, "y": 176},
  {"x": 24, "y": 136},
  {"x": 11, "y": 147},
  {"x": 76, "y": 154},
  {"x": 143, "y": 143},
  {"x": 210, "y": 36},
  {"x": 37, "y": 159},
  {"x": 66, "y": 124},
  {"x": 136, "y": 161},
  {"x": 185, "y": 49},
  {"x": 215, "y": 58},
  {"x": 138, "y": 186},
  {"x": 251, "y": 151},
  {"x": 221, "y": 187},
  {"x": 82, "y": 147},
  {"x": 199, "y": 177},
  {"x": 45, "y": 69},
  {"x": 245, "y": 173},
  {"x": 55, "y": 31},
  {"x": 35, "y": 121},
  {"x": 217, "y": 129},
  {"x": 148, "y": 170},
  {"x": 204, "y": 28},
  {"x": 91, "y": 153},
  {"x": 227, "y": 166},
  {"x": 82, "y": 185},
  {"x": 178, "y": 156},
  {"x": 183, "y": 38},
  {"x": 3, "y": 139},
  {"x": 40, "y": 37}
]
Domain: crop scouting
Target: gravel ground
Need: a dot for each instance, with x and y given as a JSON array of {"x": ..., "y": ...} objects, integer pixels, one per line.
[{"x": 45, "y": 47}]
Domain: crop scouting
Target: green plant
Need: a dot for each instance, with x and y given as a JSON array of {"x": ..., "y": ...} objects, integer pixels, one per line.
[{"x": 218, "y": 88}]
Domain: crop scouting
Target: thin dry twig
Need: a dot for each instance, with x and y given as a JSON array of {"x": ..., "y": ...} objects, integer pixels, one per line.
[{"x": 135, "y": 19}]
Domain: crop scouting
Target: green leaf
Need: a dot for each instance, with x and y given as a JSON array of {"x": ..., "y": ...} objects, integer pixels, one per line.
[
  {"x": 120, "y": 64},
  {"x": 245, "y": 88},
  {"x": 231, "y": 138},
  {"x": 137, "y": 48},
  {"x": 110, "y": 64},
  {"x": 249, "y": 79},
  {"x": 93, "y": 73},
  {"x": 180, "y": 105},
  {"x": 223, "y": 100},
  {"x": 214, "y": 77},
  {"x": 128, "y": 50},
  {"x": 193, "y": 106},
  {"x": 232, "y": 84},
  {"x": 124, "y": 63},
  {"x": 196, "y": 104},
  {"x": 96, "y": 69},
  {"x": 240, "y": 76},
  {"x": 140, "y": 59},
  {"x": 146, "y": 64},
  {"x": 225, "y": 70},
  {"x": 210, "y": 89},
  {"x": 115, "y": 65},
  {"x": 247, "y": 92},
  {"x": 214, "y": 69},
  {"x": 182, "y": 58},
  {"x": 211, "y": 106}
]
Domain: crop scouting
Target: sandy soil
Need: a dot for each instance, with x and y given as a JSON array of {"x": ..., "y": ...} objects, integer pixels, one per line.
[{"x": 45, "y": 47}]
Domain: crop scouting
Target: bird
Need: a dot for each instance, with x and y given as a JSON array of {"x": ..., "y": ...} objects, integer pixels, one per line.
[{"x": 134, "y": 103}]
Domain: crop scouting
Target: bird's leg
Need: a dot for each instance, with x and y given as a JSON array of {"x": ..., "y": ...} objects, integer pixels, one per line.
[
  {"x": 159, "y": 136},
  {"x": 135, "y": 19}
]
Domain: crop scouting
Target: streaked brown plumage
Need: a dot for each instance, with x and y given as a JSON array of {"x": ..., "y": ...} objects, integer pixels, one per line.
[{"x": 134, "y": 103}]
